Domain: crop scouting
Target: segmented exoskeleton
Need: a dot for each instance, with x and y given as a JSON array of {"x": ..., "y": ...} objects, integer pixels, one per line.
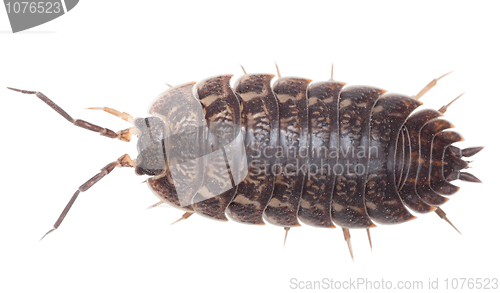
[{"x": 323, "y": 153}]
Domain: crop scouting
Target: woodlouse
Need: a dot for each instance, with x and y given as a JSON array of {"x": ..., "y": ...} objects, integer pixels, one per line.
[{"x": 321, "y": 153}]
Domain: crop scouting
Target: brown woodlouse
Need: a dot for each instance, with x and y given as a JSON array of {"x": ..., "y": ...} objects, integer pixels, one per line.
[{"x": 321, "y": 153}]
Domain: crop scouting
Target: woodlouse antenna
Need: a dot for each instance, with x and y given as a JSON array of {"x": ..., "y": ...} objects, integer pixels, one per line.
[
  {"x": 124, "y": 115},
  {"x": 286, "y": 234},
  {"x": 63, "y": 214},
  {"x": 123, "y": 161},
  {"x": 242, "y": 68},
  {"x": 183, "y": 217},
  {"x": 443, "y": 109},
  {"x": 430, "y": 85},
  {"x": 124, "y": 135},
  {"x": 442, "y": 215},
  {"x": 168, "y": 84},
  {"x": 347, "y": 237},
  {"x": 277, "y": 69},
  {"x": 369, "y": 239}
]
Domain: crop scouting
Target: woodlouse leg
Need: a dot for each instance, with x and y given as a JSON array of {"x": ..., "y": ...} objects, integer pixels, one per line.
[
  {"x": 442, "y": 215},
  {"x": 277, "y": 69},
  {"x": 429, "y": 86},
  {"x": 155, "y": 205},
  {"x": 286, "y": 234},
  {"x": 331, "y": 73},
  {"x": 124, "y": 115},
  {"x": 121, "y": 135},
  {"x": 369, "y": 238},
  {"x": 443, "y": 109},
  {"x": 242, "y": 68},
  {"x": 123, "y": 161},
  {"x": 347, "y": 237},
  {"x": 184, "y": 216}
]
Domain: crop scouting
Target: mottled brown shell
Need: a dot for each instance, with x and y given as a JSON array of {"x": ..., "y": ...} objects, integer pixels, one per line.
[{"x": 319, "y": 152}]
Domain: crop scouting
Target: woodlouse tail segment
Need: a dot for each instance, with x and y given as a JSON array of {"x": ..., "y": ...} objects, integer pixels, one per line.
[
  {"x": 286, "y": 234},
  {"x": 183, "y": 217},
  {"x": 123, "y": 161},
  {"x": 469, "y": 152},
  {"x": 464, "y": 176},
  {"x": 430, "y": 85},
  {"x": 347, "y": 237},
  {"x": 408, "y": 191},
  {"x": 442, "y": 215},
  {"x": 455, "y": 164},
  {"x": 122, "y": 135},
  {"x": 453, "y": 176}
]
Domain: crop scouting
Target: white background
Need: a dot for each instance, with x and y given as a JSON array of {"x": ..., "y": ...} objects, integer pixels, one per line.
[{"x": 120, "y": 53}]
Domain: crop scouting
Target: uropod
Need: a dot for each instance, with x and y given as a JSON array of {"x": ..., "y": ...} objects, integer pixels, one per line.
[{"x": 319, "y": 153}]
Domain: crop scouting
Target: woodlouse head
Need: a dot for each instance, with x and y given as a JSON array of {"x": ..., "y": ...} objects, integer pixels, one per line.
[{"x": 150, "y": 146}]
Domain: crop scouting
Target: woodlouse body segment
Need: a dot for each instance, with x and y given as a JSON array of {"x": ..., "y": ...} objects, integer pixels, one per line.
[
  {"x": 184, "y": 123},
  {"x": 441, "y": 141},
  {"x": 259, "y": 126},
  {"x": 222, "y": 113},
  {"x": 348, "y": 202},
  {"x": 316, "y": 201},
  {"x": 430, "y": 129},
  {"x": 323, "y": 153},
  {"x": 383, "y": 202},
  {"x": 283, "y": 207},
  {"x": 408, "y": 191}
]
